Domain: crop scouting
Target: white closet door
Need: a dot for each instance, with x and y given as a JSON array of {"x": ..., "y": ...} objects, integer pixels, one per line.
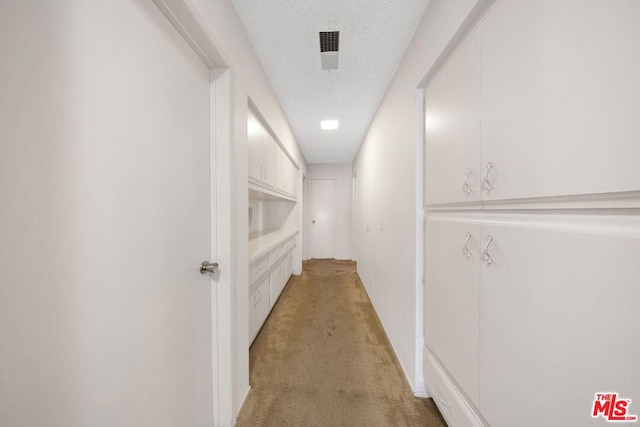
[
  {"x": 452, "y": 297},
  {"x": 559, "y": 318},
  {"x": 560, "y": 97},
  {"x": 452, "y": 126}
]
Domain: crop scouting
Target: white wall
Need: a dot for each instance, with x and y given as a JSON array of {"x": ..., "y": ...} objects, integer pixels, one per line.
[
  {"x": 386, "y": 171},
  {"x": 256, "y": 222},
  {"x": 342, "y": 173}
]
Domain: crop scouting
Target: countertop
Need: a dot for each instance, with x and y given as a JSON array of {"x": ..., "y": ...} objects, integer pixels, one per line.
[{"x": 263, "y": 241}]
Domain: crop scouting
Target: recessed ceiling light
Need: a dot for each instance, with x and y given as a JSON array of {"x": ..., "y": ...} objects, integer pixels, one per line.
[{"x": 329, "y": 124}]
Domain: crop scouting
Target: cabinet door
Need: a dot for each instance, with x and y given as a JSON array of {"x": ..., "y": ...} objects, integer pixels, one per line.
[
  {"x": 293, "y": 180},
  {"x": 258, "y": 306},
  {"x": 282, "y": 170},
  {"x": 452, "y": 128},
  {"x": 255, "y": 136},
  {"x": 269, "y": 159},
  {"x": 276, "y": 279},
  {"x": 451, "y": 297},
  {"x": 559, "y": 318},
  {"x": 560, "y": 97},
  {"x": 288, "y": 267}
]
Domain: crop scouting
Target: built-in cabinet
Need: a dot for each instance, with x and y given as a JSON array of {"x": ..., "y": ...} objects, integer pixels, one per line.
[
  {"x": 538, "y": 101},
  {"x": 286, "y": 174},
  {"x": 270, "y": 269},
  {"x": 273, "y": 179},
  {"x": 271, "y": 170},
  {"x": 532, "y": 230},
  {"x": 560, "y": 97}
]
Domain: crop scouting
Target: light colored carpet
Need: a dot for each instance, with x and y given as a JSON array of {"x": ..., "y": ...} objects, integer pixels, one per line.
[{"x": 323, "y": 359}]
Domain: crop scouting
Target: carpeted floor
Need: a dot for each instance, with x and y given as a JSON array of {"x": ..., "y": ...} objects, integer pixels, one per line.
[{"x": 323, "y": 359}]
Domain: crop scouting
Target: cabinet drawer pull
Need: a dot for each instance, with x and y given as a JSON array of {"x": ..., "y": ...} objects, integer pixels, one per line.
[
  {"x": 465, "y": 249},
  {"x": 485, "y": 181},
  {"x": 486, "y": 257},
  {"x": 465, "y": 186}
]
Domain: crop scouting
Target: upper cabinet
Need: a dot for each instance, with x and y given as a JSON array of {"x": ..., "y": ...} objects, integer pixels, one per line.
[
  {"x": 560, "y": 98},
  {"x": 452, "y": 126},
  {"x": 261, "y": 153},
  {"x": 286, "y": 173},
  {"x": 540, "y": 100},
  {"x": 270, "y": 168}
]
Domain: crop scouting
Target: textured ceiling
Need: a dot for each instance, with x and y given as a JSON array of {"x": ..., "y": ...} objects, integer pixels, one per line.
[{"x": 374, "y": 35}]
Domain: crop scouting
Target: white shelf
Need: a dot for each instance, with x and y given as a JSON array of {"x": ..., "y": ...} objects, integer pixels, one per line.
[{"x": 257, "y": 191}]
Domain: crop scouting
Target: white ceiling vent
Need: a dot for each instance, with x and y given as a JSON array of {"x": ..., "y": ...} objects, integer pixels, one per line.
[{"x": 329, "y": 46}]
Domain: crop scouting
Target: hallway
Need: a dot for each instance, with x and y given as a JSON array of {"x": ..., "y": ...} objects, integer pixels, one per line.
[{"x": 323, "y": 359}]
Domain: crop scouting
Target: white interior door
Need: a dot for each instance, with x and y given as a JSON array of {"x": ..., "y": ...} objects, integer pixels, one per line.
[
  {"x": 323, "y": 223},
  {"x": 105, "y": 182}
]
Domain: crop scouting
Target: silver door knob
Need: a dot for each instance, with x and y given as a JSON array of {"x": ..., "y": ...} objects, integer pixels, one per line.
[
  {"x": 313, "y": 221},
  {"x": 208, "y": 267}
]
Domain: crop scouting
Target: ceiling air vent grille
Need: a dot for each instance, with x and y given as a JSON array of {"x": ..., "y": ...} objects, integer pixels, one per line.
[{"x": 329, "y": 41}]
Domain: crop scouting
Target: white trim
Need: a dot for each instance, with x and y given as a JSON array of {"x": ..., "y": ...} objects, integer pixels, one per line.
[
  {"x": 619, "y": 200},
  {"x": 471, "y": 21},
  {"x": 187, "y": 21},
  {"x": 244, "y": 399},
  {"x": 263, "y": 192},
  {"x": 354, "y": 216},
  {"x": 215, "y": 380},
  {"x": 224, "y": 323},
  {"x": 419, "y": 389},
  {"x": 459, "y": 404}
]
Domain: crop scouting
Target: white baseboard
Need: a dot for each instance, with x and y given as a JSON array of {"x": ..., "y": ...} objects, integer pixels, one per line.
[
  {"x": 235, "y": 419},
  {"x": 422, "y": 394}
]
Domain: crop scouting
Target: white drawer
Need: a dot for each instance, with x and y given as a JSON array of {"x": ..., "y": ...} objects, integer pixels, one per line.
[
  {"x": 451, "y": 403},
  {"x": 257, "y": 269},
  {"x": 258, "y": 306},
  {"x": 275, "y": 254}
]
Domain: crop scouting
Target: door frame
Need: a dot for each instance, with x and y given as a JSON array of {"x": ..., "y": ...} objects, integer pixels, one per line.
[
  {"x": 420, "y": 387},
  {"x": 191, "y": 26}
]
